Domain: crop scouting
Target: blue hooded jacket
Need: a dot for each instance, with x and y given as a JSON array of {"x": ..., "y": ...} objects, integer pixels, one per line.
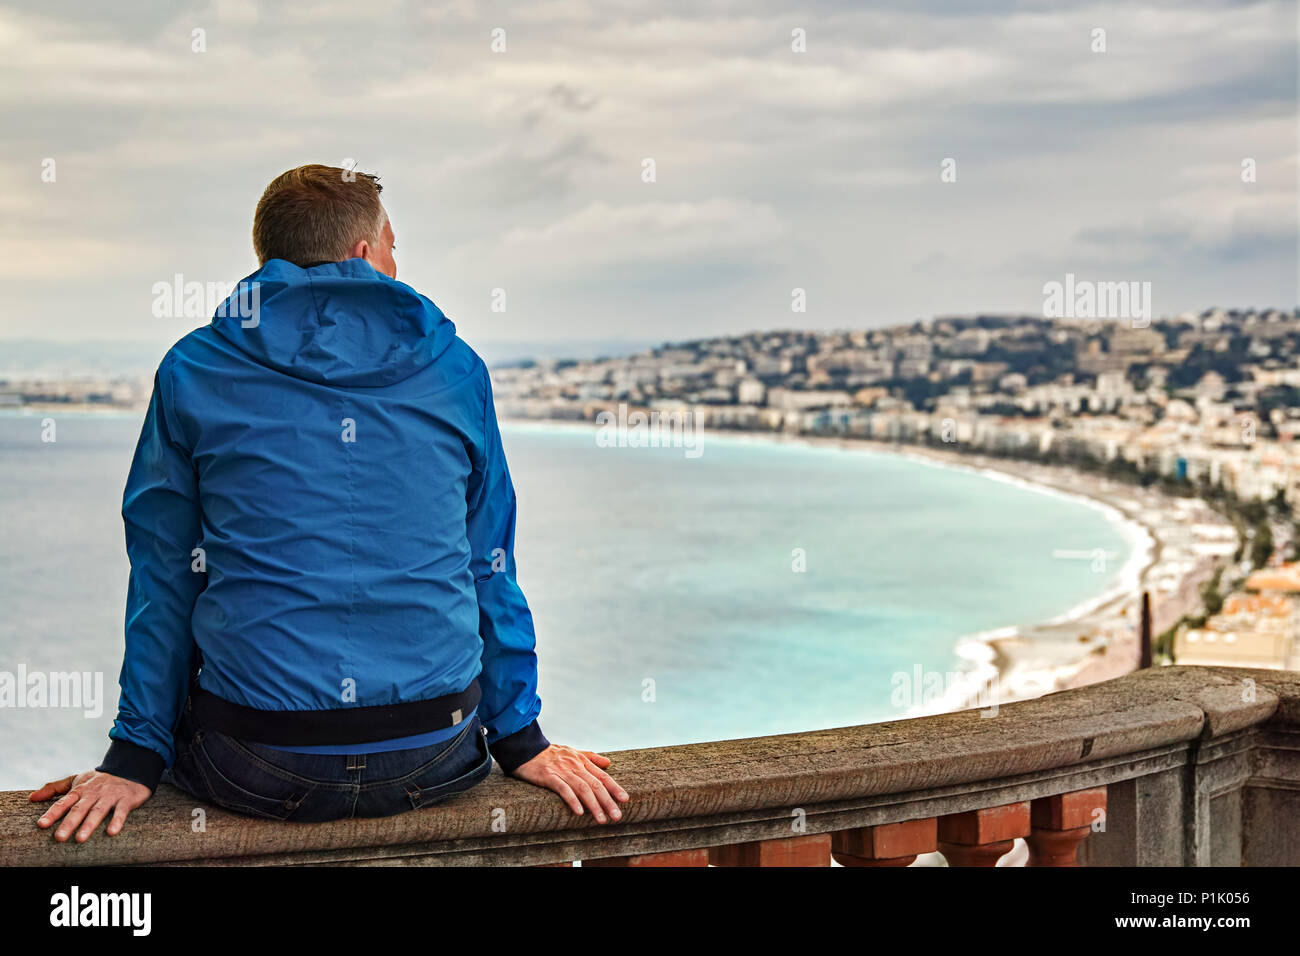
[{"x": 319, "y": 506}]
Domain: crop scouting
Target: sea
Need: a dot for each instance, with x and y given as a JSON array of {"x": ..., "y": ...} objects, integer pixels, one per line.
[{"x": 759, "y": 587}]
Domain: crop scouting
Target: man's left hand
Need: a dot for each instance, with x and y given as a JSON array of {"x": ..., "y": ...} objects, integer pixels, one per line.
[{"x": 579, "y": 777}]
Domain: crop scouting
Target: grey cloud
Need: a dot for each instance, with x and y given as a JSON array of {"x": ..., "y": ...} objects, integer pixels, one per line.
[{"x": 819, "y": 170}]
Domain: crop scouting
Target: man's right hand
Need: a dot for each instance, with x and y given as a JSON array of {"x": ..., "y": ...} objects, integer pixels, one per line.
[
  {"x": 579, "y": 777},
  {"x": 87, "y": 799}
]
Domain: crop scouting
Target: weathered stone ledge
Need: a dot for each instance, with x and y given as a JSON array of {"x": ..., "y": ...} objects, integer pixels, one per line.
[{"x": 1217, "y": 752}]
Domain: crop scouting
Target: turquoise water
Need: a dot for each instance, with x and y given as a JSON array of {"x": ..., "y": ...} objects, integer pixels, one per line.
[{"x": 662, "y": 588}]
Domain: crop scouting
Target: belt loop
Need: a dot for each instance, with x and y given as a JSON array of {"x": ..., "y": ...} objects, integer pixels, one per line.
[{"x": 356, "y": 762}]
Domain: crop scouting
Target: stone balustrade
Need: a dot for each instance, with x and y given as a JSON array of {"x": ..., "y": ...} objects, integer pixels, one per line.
[{"x": 1176, "y": 766}]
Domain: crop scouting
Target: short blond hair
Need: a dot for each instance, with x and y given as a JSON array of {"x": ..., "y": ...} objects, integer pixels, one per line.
[{"x": 316, "y": 214}]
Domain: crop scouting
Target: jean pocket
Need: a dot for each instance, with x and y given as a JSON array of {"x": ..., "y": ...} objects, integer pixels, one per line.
[
  {"x": 235, "y": 783},
  {"x": 469, "y": 760}
]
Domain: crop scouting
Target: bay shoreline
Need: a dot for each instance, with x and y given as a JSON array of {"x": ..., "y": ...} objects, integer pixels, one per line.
[{"x": 1094, "y": 640}]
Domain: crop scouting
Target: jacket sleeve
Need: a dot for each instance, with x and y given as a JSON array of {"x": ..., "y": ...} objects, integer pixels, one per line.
[
  {"x": 509, "y": 705},
  {"x": 160, "y": 509}
]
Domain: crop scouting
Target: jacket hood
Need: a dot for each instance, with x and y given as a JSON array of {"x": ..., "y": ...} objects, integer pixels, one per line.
[{"x": 340, "y": 323}]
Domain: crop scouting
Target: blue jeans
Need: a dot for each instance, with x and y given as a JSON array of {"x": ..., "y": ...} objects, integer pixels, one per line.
[{"x": 260, "y": 781}]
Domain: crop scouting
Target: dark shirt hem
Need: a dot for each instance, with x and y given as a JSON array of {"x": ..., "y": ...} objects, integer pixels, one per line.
[
  {"x": 520, "y": 747},
  {"x": 343, "y": 725},
  {"x": 130, "y": 761}
]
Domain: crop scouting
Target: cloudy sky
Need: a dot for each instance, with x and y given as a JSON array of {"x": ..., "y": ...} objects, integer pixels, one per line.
[{"x": 774, "y": 169}]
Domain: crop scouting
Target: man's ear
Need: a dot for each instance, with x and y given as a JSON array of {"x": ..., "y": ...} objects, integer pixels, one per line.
[{"x": 360, "y": 250}]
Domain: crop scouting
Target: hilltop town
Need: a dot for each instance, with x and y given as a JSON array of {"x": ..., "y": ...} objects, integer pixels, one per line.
[
  {"x": 1211, "y": 398},
  {"x": 1187, "y": 425}
]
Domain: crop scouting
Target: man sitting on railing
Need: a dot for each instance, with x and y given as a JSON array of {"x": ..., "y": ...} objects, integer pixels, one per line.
[{"x": 323, "y": 619}]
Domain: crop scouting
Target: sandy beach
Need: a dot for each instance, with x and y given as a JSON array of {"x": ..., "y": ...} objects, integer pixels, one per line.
[{"x": 1176, "y": 544}]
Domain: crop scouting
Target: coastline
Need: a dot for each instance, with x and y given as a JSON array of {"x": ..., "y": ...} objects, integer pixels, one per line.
[
  {"x": 87, "y": 409},
  {"x": 1094, "y": 640}
]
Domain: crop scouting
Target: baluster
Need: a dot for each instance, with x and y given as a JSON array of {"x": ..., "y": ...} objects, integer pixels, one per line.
[
  {"x": 812, "y": 850},
  {"x": 982, "y": 837},
  {"x": 698, "y": 857},
  {"x": 888, "y": 844},
  {"x": 1060, "y": 825}
]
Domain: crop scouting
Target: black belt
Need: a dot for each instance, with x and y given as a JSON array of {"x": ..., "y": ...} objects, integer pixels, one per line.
[{"x": 347, "y": 725}]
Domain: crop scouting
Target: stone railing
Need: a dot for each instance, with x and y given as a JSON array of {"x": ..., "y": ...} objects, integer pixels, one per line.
[{"x": 1177, "y": 766}]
